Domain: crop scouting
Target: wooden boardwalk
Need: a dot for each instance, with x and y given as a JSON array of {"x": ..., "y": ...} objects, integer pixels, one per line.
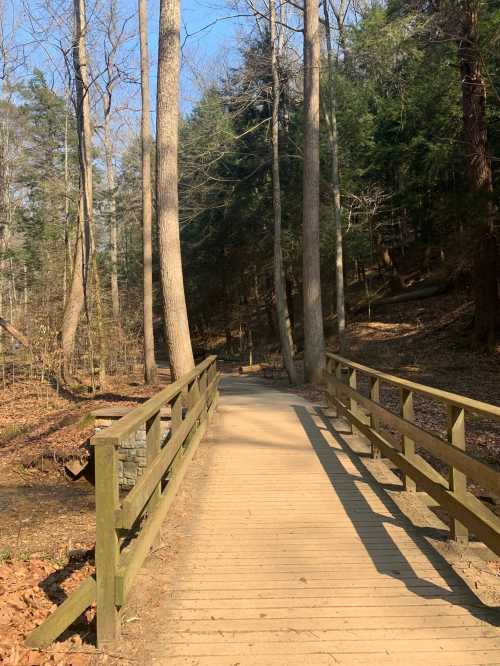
[{"x": 294, "y": 556}]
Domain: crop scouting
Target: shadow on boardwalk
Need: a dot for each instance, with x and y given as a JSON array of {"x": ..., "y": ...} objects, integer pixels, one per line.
[{"x": 372, "y": 528}]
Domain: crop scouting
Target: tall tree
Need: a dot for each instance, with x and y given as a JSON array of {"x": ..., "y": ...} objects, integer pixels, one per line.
[
  {"x": 478, "y": 173},
  {"x": 112, "y": 42},
  {"x": 167, "y": 199},
  {"x": 150, "y": 370},
  {"x": 313, "y": 312},
  {"x": 331, "y": 121},
  {"x": 285, "y": 329},
  {"x": 83, "y": 247}
]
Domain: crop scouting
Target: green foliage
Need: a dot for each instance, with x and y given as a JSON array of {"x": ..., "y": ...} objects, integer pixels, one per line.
[{"x": 399, "y": 112}]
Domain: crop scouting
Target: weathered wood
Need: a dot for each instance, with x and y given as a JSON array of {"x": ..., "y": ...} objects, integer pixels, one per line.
[
  {"x": 107, "y": 546},
  {"x": 408, "y": 445},
  {"x": 132, "y": 421},
  {"x": 64, "y": 615},
  {"x": 110, "y": 413},
  {"x": 153, "y": 437},
  {"x": 135, "y": 500},
  {"x": 132, "y": 558},
  {"x": 475, "y": 469},
  {"x": 375, "y": 396},
  {"x": 353, "y": 383},
  {"x": 115, "y": 571},
  {"x": 176, "y": 418},
  {"x": 457, "y": 479},
  {"x": 470, "y": 405},
  {"x": 484, "y": 524}
]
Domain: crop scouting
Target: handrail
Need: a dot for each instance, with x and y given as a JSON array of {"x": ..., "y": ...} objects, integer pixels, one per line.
[
  {"x": 127, "y": 527},
  {"x": 473, "y": 406},
  {"x": 129, "y": 423},
  {"x": 367, "y": 415}
]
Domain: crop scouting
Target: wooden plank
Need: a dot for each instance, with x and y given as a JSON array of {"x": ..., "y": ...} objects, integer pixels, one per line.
[
  {"x": 486, "y": 526},
  {"x": 408, "y": 445},
  {"x": 133, "y": 558},
  {"x": 107, "y": 546},
  {"x": 64, "y": 615},
  {"x": 455, "y": 457},
  {"x": 375, "y": 396},
  {"x": 136, "y": 499},
  {"x": 457, "y": 479},
  {"x": 132, "y": 421},
  {"x": 153, "y": 439},
  {"x": 353, "y": 383},
  {"x": 474, "y": 406},
  {"x": 176, "y": 415}
]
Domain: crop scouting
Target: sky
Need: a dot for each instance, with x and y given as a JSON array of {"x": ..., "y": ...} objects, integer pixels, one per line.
[{"x": 208, "y": 37}]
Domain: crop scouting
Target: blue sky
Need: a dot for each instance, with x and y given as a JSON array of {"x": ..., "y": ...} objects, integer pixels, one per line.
[{"x": 204, "y": 50}]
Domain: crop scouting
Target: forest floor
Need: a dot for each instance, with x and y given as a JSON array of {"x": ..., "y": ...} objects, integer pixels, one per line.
[{"x": 47, "y": 520}]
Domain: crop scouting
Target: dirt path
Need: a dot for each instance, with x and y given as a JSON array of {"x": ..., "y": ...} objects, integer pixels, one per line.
[{"x": 283, "y": 550}]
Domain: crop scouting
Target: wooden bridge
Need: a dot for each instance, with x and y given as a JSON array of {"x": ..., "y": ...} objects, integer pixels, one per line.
[{"x": 293, "y": 553}]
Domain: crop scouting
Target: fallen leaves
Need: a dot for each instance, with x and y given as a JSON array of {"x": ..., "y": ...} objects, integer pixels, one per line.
[{"x": 29, "y": 591}]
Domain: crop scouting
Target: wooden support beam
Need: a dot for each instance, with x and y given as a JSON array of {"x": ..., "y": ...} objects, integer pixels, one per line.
[
  {"x": 107, "y": 546},
  {"x": 375, "y": 396},
  {"x": 64, "y": 615},
  {"x": 408, "y": 444},
  {"x": 457, "y": 479}
]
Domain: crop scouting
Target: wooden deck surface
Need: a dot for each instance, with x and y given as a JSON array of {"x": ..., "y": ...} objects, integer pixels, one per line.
[{"x": 294, "y": 556}]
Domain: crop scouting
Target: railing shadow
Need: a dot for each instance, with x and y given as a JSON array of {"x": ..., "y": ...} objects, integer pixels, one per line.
[
  {"x": 372, "y": 527},
  {"x": 52, "y": 585}
]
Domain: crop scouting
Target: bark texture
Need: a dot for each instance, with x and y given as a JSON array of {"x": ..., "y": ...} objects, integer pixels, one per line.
[
  {"x": 167, "y": 202},
  {"x": 74, "y": 302},
  {"x": 313, "y": 314},
  {"x": 113, "y": 228},
  {"x": 150, "y": 370},
  {"x": 479, "y": 177},
  {"x": 285, "y": 329},
  {"x": 331, "y": 120}
]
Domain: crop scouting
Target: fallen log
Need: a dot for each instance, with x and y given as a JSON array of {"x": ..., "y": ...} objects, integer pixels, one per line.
[
  {"x": 15, "y": 333},
  {"x": 414, "y": 294},
  {"x": 411, "y": 295}
]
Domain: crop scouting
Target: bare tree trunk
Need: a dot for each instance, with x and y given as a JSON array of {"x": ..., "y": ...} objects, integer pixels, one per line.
[
  {"x": 479, "y": 176},
  {"x": 285, "y": 329},
  {"x": 113, "y": 230},
  {"x": 107, "y": 100},
  {"x": 150, "y": 370},
  {"x": 84, "y": 252},
  {"x": 84, "y": 133},
  {"x": 167, "y": 119},
  {"x": 331, "y": 121},
  {"x": 313, "y": 314},
  {"x": 74, "y": 302},
  {"x": 67, "y": 253}
]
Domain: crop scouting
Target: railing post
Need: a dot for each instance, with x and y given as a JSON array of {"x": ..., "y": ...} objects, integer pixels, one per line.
[
  {"x": 338, "y": 380},
  {"x": 329, "y": 376},
  {"x": 176, "y": 413},
  {"x": 374, "y": 422},
  {"x": 408, "y": 413},
  {"x": 203, "y": 385},
  {"x": 353, "y": 383},
  {"x": 457, "y": 479},
  {"x": 107, "y": 545},
  {"x": 153, "y": 437}
]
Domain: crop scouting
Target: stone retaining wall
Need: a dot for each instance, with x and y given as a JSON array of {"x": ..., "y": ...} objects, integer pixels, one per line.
[{"x": 132, "y": 452}]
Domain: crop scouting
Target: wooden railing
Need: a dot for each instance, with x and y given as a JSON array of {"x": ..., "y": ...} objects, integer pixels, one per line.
[
  {"x": 369, "y": 417},
  {"x": 126, "y": 527}
]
